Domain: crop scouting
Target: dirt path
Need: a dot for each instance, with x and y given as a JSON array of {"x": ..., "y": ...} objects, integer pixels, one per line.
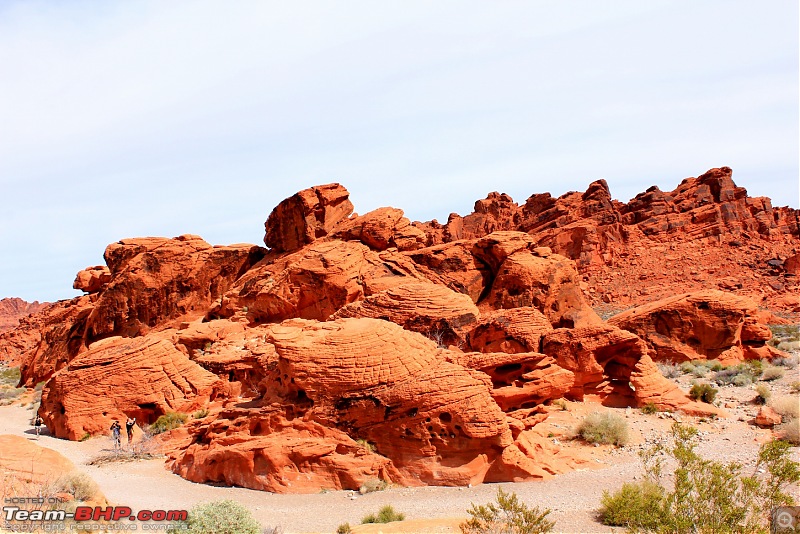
[{"x": 572, "y": 497}]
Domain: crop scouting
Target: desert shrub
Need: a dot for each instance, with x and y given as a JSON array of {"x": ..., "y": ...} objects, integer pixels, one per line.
[
  {"x": 771, "y": 373},
  {"x": 649, "y": 408},
  {"x": 670, "y": 370},
  {"x": 168, "y": 421},
  {"x": 687, "y": 368},
  {"x": 789, "y": 362},
  {"x": 703, "y": 495},
  {"x": 787, "y": 406},
  {"x": 387, "y": 514},
  {"x": 742, "y": 380},
  {"x": 714, "y": 365},
  {"x": 795, "y": 387},
  {"x": 763, "y": 394},
  {"x": 508, "y": 516},
  {"x": 86, "y": 436},
  {"x": 700, "y": 371},
  {"x": 79, "y": 485},
  {"x": 790, "y": 431},
  {"x": 364, "y": 444},
  {"x": 703, "y": 392},
  {"x": 739, "y": 375},
  {"x": 344, "y": 528},
  {"x": 39, "y": 386},
  {"x": 635, "y": 505},
  {"x": 604, "y": 427},
  {"x": 561, "y": 403},
  {"x": 201, "y": 413},
  {"x": 9, "y": 376},
  {"x": 221, "y": 517},
  {"x": 373, "y": 484},
  {"x": 755, "y": 367}
]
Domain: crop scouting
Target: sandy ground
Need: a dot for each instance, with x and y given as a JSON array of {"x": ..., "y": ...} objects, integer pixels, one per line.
[{"x": 573, "y": 497}]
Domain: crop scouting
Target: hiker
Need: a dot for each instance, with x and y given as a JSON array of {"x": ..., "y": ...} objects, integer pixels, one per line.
[
  {"x": 129, "y": 424},
  {"x": 115, "y": 431},
  {"x": 37, "y": 423}
]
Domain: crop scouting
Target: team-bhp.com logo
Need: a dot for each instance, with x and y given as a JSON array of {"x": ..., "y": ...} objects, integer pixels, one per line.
[{"x": 20, "y": 520}]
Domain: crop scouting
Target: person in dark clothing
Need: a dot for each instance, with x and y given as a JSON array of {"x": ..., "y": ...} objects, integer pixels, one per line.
[
  {"x": 37, "y": 423},
  {"x": 129, "y": 424},
  {"x": 115, "y": 432}
]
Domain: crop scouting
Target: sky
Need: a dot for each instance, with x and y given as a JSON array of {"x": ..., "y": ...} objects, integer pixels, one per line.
[{"x": 153, "y": 118}]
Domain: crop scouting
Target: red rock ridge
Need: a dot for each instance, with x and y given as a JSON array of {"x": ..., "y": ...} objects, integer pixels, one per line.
[{"x": 13, "y": 309}]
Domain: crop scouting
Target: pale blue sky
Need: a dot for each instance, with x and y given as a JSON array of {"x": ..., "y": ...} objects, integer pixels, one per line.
[{"x": 122, "y": 119}]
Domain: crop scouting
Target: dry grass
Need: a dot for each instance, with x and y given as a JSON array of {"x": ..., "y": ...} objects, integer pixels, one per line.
[
  {"x": 788, "y": 406},
  {"x": 790, "y": 431},
  {"x": 604, "y": 427}
]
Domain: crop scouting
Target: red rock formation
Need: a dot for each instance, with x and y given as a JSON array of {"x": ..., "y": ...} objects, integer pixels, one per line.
[
  {"x": 705, "y": 232},
  {"x": 613, "y": 366},
  {"x": 14, "y": 309},
  {"x": 538, "y": 278},
  {"x": 306, "y": 355},
  {"x": 118, "y": 378},
  {"x": 697, "y": 326},
  {"x": 314, "y": 282},
  {"x": 155, "y": 280},
  {"x": 382, "y": 229},
  {"x": 306, "y": 216},
  {"x": 92, "y": 279},
  {"x": 433, "y": 310},
  {"x": 454, "y": 265}
]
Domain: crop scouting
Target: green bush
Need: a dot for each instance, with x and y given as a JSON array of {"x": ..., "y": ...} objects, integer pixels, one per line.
[
  {"x": 687, "y": 368},
  {"x": 509, "y": 516},
  {"x": 604, "y": 427},
  {"x": 763, "y": 394},
  {"x": 344, "y": 528},
  {"x": 168, "y": 421},
  {"x": 649, "y": 408},
  {"x": 703, "y": 495},
  {"x": 221, "y": 517},
  {"x": 703, "y": 392},
  {"x": 201, "y": 413},
  {"x": 635, "y": 505},
  {"x": 387, "y": 514}
]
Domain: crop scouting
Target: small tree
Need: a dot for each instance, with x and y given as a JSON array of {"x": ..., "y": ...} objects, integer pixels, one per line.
[{"x": 509, "y": 516}]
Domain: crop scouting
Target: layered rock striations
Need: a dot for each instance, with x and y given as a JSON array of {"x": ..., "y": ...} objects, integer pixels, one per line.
[{"x": 369, "y": 347}]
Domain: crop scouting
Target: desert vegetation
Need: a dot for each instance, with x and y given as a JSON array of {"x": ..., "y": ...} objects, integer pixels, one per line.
[
  {"x": 506, "y": 515},
  {"x": 604, "y": 428},
  {"x": 702, "y": 495}
]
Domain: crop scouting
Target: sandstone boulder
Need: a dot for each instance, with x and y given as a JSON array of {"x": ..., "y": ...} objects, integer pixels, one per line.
[
  {"x": 117, "y": 378},
  {"x": 698, "y": 326},
  {"x": 432, "y": 310},
  {"x": 382, "y": 229},
  {"x": 511, "y": 331},
  {"x": 92, "y": 279},
  {"x": 314, "y": 282},
  {"x": 306, "y": 216}
]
